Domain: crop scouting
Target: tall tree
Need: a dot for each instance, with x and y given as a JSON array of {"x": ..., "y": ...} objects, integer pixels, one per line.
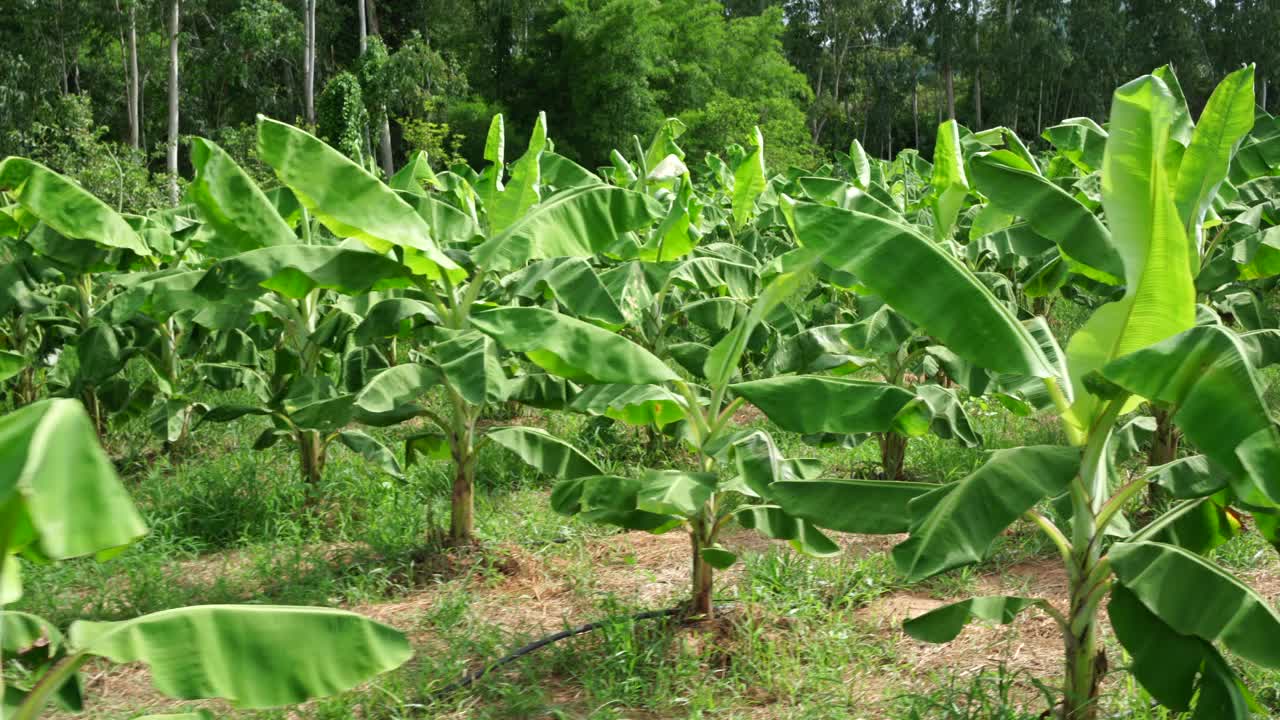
[
  {"x": 364, "y": 32},
  {"x": 977, "y": 62},
  {"x": 945, "y": 30},
  {"x": 384, "y": 135},
  {"x": 129, "y": 48},
  {"x": 309, "y": 60},
  {"x": 174, "y": 25}
]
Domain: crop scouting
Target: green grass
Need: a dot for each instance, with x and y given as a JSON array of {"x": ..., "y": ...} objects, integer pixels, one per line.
[{"x": 802, "y": 638}]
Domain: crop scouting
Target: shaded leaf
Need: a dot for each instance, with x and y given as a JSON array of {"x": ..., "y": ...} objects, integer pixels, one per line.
[
  {"x": 544, "y": 452},
  {"x": 945, "y": 623}
]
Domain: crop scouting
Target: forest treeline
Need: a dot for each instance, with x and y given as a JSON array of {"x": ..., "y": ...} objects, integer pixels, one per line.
[{"x": 105, "y": 89}]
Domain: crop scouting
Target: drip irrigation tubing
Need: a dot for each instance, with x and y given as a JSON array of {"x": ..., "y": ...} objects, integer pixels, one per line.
[{"x": 475, "y": 675}]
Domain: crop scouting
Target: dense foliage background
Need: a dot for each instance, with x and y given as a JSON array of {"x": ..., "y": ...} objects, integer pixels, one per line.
[{"x": 813, "y": 74}]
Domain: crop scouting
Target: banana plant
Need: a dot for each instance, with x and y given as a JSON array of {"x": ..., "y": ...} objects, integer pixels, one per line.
[
  {"x": 293, "y": 294},
  {"x": 695, "y": 277},
  {"x": 60, "y": 498},
  {"x": 1144, "y": 346},
  {"x": 77, "y": 276},
  {"x": 66, "y": 247},
  {"x": 1201, "y": 156},
  {"x": 483, "y": 253},
  {"x": 854, "y": 334},
  {"x": 903, "y": 362},
  {"x": 733, "y": 471}
]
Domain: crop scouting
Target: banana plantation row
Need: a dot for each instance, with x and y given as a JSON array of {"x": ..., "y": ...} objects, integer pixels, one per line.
[{"x": 867, "y": 301}]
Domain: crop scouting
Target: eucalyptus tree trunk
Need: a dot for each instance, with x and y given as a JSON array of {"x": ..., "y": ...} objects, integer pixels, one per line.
[
  {"x": 132, "y": 106},
  {"x": 63, "y": 84},
  {"x": 364, "y": 33},
  {"x": 1040, "y": 107},
  {"x": 977, "y": 69},
  {"x": 384, "y": 137},
  {"x": 142, "y": 108},
  {"x": 173, "y": 101},
  {"x": 135, "y": 105},
  {"x": 915, "y": 108},
  {"x": 949, "y": 76},
  {"x": 977, "y": 97},
  {"x": 384, "y": 146},
  {"x": 364, "y": 46},
  {"x": 309, "y": 60}
]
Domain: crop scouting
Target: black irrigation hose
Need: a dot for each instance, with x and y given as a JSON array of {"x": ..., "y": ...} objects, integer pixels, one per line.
[{"x": 475, "y": 675}]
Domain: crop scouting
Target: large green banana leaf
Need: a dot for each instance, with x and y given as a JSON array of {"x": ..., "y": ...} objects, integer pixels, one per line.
[
  {"x": 571, "y": 348},
  {"x": 577, "y": 223},
  {"x": 160, "y": 295},
  {"x": 1189, "y": 477},
  {"x": 774, "y": 522},
  {"x": 469, "y": 361},
  {"x": 1204, "y": 375},
  {"x": 945, "y": 623},
  {"x": 449, "y": 225},
  {"x": 609, "y": 499},
  {"x": 1051, "y": 211},
  {"x": 231, "y": 204},
  {"x": 489, "y": 182},
  {"x": 1222, "y": 609},
  {"x": 675, "y": 492},
  {"x": 11, "y": 363},
  {"x": 748, "y": 182},
  {"x": 295, "y": 270},
  {"x": 859, "y": 506},
  {"x": 952, "y": 305},
  {"x": 1080, "y": 140},
  {"x": 62, "y": 484},
  {"x": 255, "y": 656},
  {"x": 573, "y": 283},
  {"x": 956, "y": 524},
  {"x": 1227, "y": 118},
  {"x": 819, "y": 403},
  {"x": 523, "y": 190},
  {"x": 544, "y": 452},
  {"x": 950, "y": 185},
  {"x": 562, "y": 173},
  {"x": 845, "y": 195},
  {"x": 415, "y": 172},
  {"x": 348, "y": 200},
  {"x": 1164, "y": 661},
  {"x": 632, "y": 404},
  {"x": 393, "y": 316},
  {"x": 64, "y": 206},
  {"x": 1137, "y": 193},
  {"x": 860, "y": 164},
  {"x": 395, "y": 387},
  {"x": 371, "y": 450}
]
